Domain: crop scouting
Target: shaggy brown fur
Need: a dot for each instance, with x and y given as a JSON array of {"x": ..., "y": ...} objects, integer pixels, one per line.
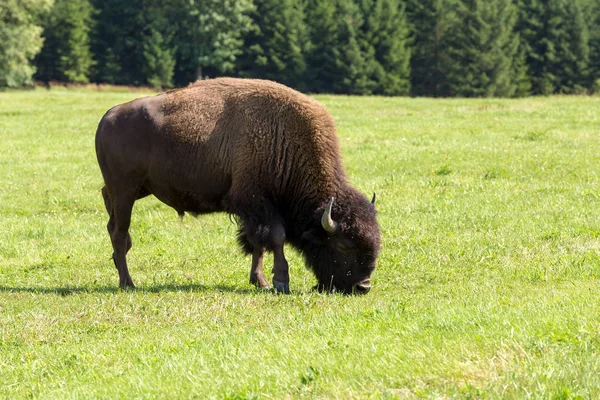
[{"x": 256, "y": 149}]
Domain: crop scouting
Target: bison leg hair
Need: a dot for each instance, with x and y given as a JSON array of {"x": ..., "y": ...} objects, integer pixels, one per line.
[{"x": 257, "y": 275}]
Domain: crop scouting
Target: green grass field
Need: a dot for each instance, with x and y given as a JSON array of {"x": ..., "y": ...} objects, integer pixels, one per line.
[{"x": 487, "y": 284}]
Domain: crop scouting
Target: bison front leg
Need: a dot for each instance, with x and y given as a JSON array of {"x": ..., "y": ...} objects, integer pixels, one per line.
[
  {"x": 257, "y": 275},
  {"x": 281, "y": 275},
  {"x": 261, "y": 229},
  {"x": 255, "y": 239}
]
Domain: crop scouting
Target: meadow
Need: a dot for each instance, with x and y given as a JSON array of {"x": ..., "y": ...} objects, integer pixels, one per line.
[{"x": 487, "y": 285}]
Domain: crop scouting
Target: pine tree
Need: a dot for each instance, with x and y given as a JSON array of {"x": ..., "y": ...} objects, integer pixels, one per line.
[
  {"x": 430, "y": 22},
  {"x": 66, "y": 55},
  {"x": 337, "y": 63},
  {"x": 159, "y": 65},
  {"x": 482, "y": 49},
  {"x": 322, "y": 54},
  {"x": 520, "y": 76},
  {"x": 386, "y": 45},
  {"x": 555, "y": 40},
  {"x": 572, "y": 44},
  {"x": 593, "y": 11},
  {"x": 208, "y": 36},
  {"x": 118, "y": 43},
  {"x": 531, "y": 27},
  {"x": 134, "y": 42},
  {"x": 20, "y": 39},
  {"x": 275, "y": 47}
]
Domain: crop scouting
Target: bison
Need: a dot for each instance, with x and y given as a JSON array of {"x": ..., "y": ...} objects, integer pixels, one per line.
[{"x": 255, "y": 149}]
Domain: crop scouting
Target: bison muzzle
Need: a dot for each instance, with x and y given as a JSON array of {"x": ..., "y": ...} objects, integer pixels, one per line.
[{"x": 255, "y": 149}]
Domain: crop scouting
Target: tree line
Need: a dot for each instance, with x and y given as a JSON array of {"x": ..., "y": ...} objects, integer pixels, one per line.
[{"x": 471, "y": 48}]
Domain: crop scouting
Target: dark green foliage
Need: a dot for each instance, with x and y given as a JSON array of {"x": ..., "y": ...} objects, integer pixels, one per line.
[
  {"x": 66, "y": 55},
  {"x": 20, "y": 39},
  {"x": 555, "y": 40},
  {"x": 154, "y": 42},
  {"x": 571, "y": 64},
  {"x": 593, "y": 13},
  {"x": 386, "y": 45},
  {"x": 337, "y": 63},
  {"x": 430, "y": 20},
  {"x": 208, "y": 36},
  {"x": 481, "y": 49},
  {"x": 159, "y": 61},
  {"x": 520, "y": 77},
  {"x": 275, "y": 47},
  {"x": 119, "y": 41},
  {"x": 531, "y": 26}
]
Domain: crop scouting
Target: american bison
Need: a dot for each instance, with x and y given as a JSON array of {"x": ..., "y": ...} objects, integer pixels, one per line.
[{"x": 255, "y": 149}]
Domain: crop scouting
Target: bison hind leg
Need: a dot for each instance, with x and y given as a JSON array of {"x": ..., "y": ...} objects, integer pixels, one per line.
[{"x": 119, "y": 209}]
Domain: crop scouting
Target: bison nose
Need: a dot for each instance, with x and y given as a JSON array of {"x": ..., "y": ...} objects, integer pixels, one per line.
[{"x": 363, "y": 287}]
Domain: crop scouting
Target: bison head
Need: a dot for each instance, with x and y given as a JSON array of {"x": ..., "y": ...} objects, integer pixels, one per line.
[{"x": 343, "y": 250}]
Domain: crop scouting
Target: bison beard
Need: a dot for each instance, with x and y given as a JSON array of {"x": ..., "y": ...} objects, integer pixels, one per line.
[{"x": 258, "y": 150}]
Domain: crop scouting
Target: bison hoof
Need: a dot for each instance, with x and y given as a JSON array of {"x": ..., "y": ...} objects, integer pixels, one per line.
[
  {"x": 127, "y": 285},
  {"x": 260, "y": 283},
  {"x": 281, "y": 287}
]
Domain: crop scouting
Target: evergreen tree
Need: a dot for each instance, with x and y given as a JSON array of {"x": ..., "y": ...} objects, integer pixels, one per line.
[
  {"x": 386, "y": 45},
  {"x": 572, "y": 45},
  {"x": 555, "y": 40},
  {"x": 482, "y": 49},
  {"x": 431, "y": 22},
  {"x": 531, "y": 26},
  {"x": 118, "y": 43},
  {"x": 159, "y": 65},
  {"x": 593, "y": 11},
  {"x": 209, "y": 36},
  {"x": 159, "y": 49},
  {"x": 134, "y": 42},
  {"x": 520, "y": 76},
  {"x": 337, "y": 63},
  {"x": 20, "y": 39},
  {"x": 66, "y": 55},
  {"x": 275, "y": 47}
]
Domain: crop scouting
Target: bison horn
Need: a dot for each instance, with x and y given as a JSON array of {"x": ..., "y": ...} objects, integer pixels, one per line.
[
  {"x": 328, "y": 224},
  {"x": 374, "y": 198}
]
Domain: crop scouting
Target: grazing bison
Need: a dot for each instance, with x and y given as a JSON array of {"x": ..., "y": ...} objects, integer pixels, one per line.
[{"x": 255, "y": 149}]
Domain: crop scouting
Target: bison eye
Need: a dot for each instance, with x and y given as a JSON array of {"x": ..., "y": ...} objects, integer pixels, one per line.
[{"x": 345, "y": 245}]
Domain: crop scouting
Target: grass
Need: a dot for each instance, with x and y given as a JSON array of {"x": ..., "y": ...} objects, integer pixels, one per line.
[{"x": 487, "y": 285}]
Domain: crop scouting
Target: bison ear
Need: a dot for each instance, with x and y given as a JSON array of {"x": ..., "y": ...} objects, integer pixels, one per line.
[
  {"x": 313, "y": 236},
  {"x": 374, "y": 198}
]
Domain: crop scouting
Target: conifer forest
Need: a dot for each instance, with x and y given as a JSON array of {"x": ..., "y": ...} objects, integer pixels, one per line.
[{"x": 434, "y": 48}]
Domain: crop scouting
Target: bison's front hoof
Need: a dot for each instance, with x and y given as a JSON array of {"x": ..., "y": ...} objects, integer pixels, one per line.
[
  {"x": 281, "y": 287},
  {"x": 260, "y": 283}
]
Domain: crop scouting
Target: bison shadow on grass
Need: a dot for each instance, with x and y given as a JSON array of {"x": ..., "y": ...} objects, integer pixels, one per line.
[{"x": 70, "y": 290}]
